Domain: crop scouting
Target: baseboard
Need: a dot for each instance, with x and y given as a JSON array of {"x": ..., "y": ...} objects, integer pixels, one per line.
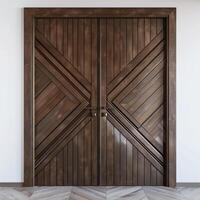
[
  {"x": 187, "y": 184},
  {"x": 11, "y": 184}
]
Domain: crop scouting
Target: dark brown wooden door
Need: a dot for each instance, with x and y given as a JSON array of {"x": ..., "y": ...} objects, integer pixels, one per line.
[
  {"x": 65, "y": 101},
  {"x": 132, "y": 148},
  {"x": 99, "y": 101}
]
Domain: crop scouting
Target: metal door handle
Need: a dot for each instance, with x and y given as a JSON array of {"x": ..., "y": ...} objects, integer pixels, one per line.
[
  {"x": 94, "y": 114},
  {"x": 92, "y": 110},
  {"x": 104, "y": 114}
]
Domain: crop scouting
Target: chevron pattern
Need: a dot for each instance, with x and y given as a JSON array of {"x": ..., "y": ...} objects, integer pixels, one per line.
[{"x": 99, "y": 193}]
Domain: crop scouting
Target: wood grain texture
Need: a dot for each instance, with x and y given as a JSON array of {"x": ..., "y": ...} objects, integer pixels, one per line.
[
  {"x": 121, "y": 66},
  {"x": 133, "y": 97},
  {"x": 64, "y": 128}
]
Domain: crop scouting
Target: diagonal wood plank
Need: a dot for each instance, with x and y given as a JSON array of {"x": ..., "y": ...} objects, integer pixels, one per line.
[
  {"x": 59, "y": 67},
  {"x": 59, "y": 129},
  {"x": 131, "y": 65},
  {"x": 150, "y": 105},
  {"x": 59, "y": 145},
  {"x": 60, "y": 76},
  {"x": 58, "y": 81},
  {"x": 133, "y": 132},
  {"x": 41, "y": 81},
  {"x": 137, "y": 70},
  {"x": 63, "y": 61},
  {"x": 46, "y": 101},
  {"x": 132, "y": 120},
  {"x": 53, "y": 119},
  {"x": 147, "y": 75},
  {"x": 135, "y": 143},
  {"x": 150, "y": 71}
]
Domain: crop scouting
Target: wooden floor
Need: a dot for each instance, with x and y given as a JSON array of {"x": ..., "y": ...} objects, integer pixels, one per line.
[{"x": 98, "y": 193}]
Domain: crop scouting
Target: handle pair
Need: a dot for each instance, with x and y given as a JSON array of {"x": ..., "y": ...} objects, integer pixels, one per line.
[{"x": 94, "y": 114}]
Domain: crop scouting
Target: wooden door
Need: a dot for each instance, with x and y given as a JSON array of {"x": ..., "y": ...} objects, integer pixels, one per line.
[
  {"x": 65, "y": 101},
  {"x": 133, "y": 88},
  {"x": 99, "y": 96}
]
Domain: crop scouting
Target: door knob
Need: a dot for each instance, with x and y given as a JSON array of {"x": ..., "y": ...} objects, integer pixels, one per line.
[
  {"x": 94, "y": 114},
  {"x": 104, "y": 114},
  {"x": 92, "y": 111}
]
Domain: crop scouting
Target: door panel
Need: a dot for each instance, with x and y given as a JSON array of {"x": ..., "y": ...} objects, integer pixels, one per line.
[
  {"x": 65, "y": 95},
  {"x": 100, "y": 101},
  {"x": 133, "y": 67}
]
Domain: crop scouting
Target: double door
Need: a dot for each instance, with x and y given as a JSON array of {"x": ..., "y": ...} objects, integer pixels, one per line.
[{"x": 99, "y": 96}]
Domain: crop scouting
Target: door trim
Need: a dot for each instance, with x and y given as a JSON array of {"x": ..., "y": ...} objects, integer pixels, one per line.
[{"x": 29, "y": 17}]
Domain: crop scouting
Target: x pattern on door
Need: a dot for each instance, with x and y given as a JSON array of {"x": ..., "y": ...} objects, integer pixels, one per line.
[
  {"x": 65, "y": 86},
  {"x": 134, "y": 63}
]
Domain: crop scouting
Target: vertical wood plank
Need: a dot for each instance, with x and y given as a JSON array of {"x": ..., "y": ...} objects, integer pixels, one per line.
[
  {"x": 75, "y": 42},
  {"x": 135, "y": 166},
  {"x": 36, "y": 180},
  {"x": 117, "y": 41},
  {"x": 59, "y": 35},
  {"x": 69, "y": 40},
  {"x": 87, "y": 49},
  {"x": 40, "y": 178},
  {"x": 80, "y": 157},
  {"x": 129, "y": 167},
  {"x": 75, "y": 157},
  {"x": 110, "y": 58},
  {"x": 123, "y": 38},
  {"x": 47, "y": 175},
  {"x": 103, "y": 53},
  {"x": 87, "y": 167},
  {"x": 147, "y": 172},
  {"x": 65, "y": 166},
  {"x": 60, "y": 168},
  {"x": 70, "y": 163},
  {"x": 40, "y": 25},
  {"x": 123, "y": 160},
  {"x": 140, "y": 169},
  {"x": 47, "y": 28},
  {"x": 147, "y": 31},
  {"x": 53, "y": 172},
  {"x": 171, "y": 115},
  {"x": 53, "y": 27},
  {"x": 65, "y": 39},
  {"x": 159, "y": 25},
  {"x": 141, "y": 34},
  {"x": 117, "y": 157},
  {"x": 159, "y": 178},
  {"x": 153, "y": 28},
  {"x": 109, "y": 153},
  {"x": 135, "y": 37},
  {"x": 129, "y": 41},
  {"x": 28, "y": 100},
  {"x": 153, "y": 175},
  {"x": 81, "y": 45},
  {"x": 94, "y": 101}
]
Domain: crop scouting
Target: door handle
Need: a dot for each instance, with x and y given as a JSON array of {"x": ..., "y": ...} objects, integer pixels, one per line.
[
  {"x": 104, "y": 114},
  {"x": 94, "y": 114},
  {"x": 92, "y": 110}
]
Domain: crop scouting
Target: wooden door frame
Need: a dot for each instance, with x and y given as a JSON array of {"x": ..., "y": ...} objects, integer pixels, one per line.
[{"x": 29, "y": 17}]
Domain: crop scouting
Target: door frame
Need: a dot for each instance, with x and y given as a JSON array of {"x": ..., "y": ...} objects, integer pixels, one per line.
[{"x": 30, "y": 14}]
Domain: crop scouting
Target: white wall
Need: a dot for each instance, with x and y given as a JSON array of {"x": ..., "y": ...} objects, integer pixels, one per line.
[{"x": 11, "y": 81}]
